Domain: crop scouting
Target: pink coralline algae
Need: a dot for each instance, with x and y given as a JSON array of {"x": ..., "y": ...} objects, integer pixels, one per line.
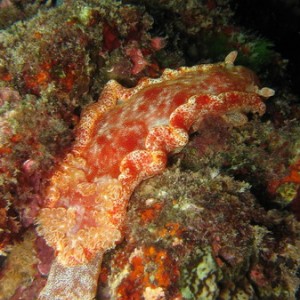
[{"x": 121, "y": 140}]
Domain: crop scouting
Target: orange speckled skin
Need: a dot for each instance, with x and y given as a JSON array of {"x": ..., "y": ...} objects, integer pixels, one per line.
[{"x": 123, "y": 139}]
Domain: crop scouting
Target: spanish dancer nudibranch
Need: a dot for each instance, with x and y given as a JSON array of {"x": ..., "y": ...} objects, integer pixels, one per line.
[{"x": 121, "y": 140}]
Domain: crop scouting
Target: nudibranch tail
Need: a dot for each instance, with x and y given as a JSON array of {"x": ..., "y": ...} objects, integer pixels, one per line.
[
  {"x": 76, "y": 283},
  {"x": 125, "y": 138}
]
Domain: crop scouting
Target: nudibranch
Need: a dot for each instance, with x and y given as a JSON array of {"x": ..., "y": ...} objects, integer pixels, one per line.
[{"x": 121, "y": 140}]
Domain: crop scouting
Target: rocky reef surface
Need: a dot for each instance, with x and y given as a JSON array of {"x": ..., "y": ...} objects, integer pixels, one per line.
[{"x": 222, "y": 220}]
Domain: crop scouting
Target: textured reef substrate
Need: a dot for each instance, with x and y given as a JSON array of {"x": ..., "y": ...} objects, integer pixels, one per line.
[{"x": 222, "y": 221}]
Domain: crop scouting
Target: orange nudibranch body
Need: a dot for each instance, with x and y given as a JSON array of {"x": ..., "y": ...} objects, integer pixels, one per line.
[{"x": 123, "y": 139}]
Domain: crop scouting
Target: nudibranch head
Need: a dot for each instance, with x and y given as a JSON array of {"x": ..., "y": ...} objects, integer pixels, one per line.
[{"x": 264, "y": 92}]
